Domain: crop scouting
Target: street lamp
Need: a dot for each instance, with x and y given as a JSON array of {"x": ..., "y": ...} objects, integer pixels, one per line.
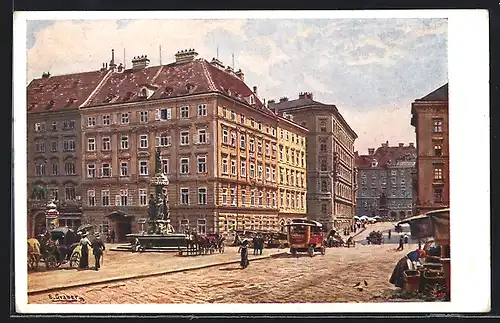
[{"x": 51, "y": 215}]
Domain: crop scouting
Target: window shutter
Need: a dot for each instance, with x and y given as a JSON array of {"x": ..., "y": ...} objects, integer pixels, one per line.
[
  {"x": 118, "y": 200},
  {"x": 169, "y": 113},
  {"x": 169, "y": 140},
  {"x": 157, "y": 114},
  {"x": 157, "y": 141},
  {"x": 110, "y": 172},
  {"x": 207, "y": 136}
]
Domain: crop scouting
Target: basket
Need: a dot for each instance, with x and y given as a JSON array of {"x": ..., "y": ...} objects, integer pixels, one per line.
[
  {"x": 433, "y": 259},
  {"x": 411, "y": 279},
  {"x": 433, "y": 278},
  {"x": 433, "y": 266}
]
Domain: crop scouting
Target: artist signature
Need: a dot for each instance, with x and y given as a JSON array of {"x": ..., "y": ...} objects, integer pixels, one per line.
[{"x": 65, "y": 298}]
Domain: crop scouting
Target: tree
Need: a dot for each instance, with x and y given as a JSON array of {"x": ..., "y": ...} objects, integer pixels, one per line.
[{"x": 38, "y": 192}]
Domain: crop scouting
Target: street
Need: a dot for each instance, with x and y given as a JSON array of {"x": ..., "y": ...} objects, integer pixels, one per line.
[{"x": 284, "y": 279}]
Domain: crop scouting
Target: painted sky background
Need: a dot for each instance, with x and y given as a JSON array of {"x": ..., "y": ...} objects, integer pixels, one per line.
[{"x": 371, "y": 69}]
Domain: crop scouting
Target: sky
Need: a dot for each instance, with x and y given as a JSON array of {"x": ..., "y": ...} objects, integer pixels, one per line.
[{"x": 371, "y": 69}]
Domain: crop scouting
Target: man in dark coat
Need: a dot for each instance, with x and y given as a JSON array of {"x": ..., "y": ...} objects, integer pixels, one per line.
[
  {"x": 98, "y": 249},
  {"x": 113, "y": 235}
]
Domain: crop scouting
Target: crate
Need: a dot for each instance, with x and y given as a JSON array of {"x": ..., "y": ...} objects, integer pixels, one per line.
[{"x": 411, "y": 280}]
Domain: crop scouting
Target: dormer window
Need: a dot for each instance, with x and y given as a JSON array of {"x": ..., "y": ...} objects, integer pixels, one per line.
[
  {"x": 374, "y": 163},
  {"x": 252, "y": 100},
  {"x": 144, "y": 93}
]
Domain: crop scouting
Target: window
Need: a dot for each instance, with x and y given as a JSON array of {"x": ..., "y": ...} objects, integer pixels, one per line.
[
  {"x": 55, "y": 168},
  {"x": 393, "y": 192},
  {"x": 252, "y": 122},
  {"x": 224, "y": 136},
  {"x": 437, "y": 125},
  {"x": 259, "y": 125},
  {"x": 166, "y": 168},
  {"x": 144, "y": 116},
  {"x": 69, "y": 168},
  {"x": 438, "y": 173},
  {"x": 90, "y": 170},
  {"x": 106, "y": 143},
  {"x": 233, "y": 115},
  {"x": 124, "y": 142},
  {"x": 202, "y": 226},
  {"x": 202, "y": 195},
  {"x": 252, "y": 170},
  {"x": 91, "y": 144},
  {"x": 54, "y": 125},
  {"x": 202, "y": 164},
  {"x": 40, "y": 170},
  {"x": 323, "y": 165},
  {"x": 233, "y": 139},
  {"x": 105, "y": 197},
  {"x": 184, "y": 165},
  {"x": 252, "y": 144},
  {"x": 91, "y": 197},
  {"x": 106, "y": 121},
  {"x": 322, "y": 126},
  {"x": 259, "y": 146},
  {"x": 143, "y": 141},
  {"x": 40, "y": 126},
  {"x": 53, "y": 146},
  {"x": 274, "y": 199},
  {"x": 67, "y": 125},
  {"x": 242, "y": 119},
  {"x": 69, "y": 145},
  {"x": 123, "y": 168},
  {"x": 143, "y": 197},
  {"x": 261, "y": 197},
  {"x": 322, "y": 147},
  {"x": 438, "y": 150},
  {"x": 202, "y": 136},
  {"x": 268, "y": 173},
  {"x": 252, "y": 198},
  {"x": 164, "y": 140},
  {"x": 225, "y": 169},
  {"x": 224, "y": 195},
  {"x": 202, "y": 110},
  {"x": 268, "y": 200},
  {"x": 438, "y": 195},
  {"x": 124, "y": 118},
  {"x": 260, "y": 172},
  {"x": 233, "y": 167},
  {"x": 324, "y": 208},
  {"x": 233, "y": 195},
  {"x": 243, "y": 170},
  {"x": 242, "y": 142},
  {"x": 91, "y": 121},
  {"x": 40, "y": 146},
  {"x": 243, "y": 197},
  {"x": 184, "y": 138},
  {"x": 184, "y": 112},
  {"x": 273, "y": 175},
  {"x": 106, "y": 170},
  {"x": 54, "y": 193},
  {"x": 124, "y": 200},
  {"x": 143, "y": 167},
  {"x": 324, "y": 186},
  {"x": 164, "y": 114},
  {"x": 70, "y": 193}
]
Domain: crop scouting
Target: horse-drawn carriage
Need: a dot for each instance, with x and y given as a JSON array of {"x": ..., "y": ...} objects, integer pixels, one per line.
[
  {"x": 58, "y": 247},
  {"x": 335, "y": 240},
  {"x": 375, "y": 237},
  {"x": 203, "y": 244}
]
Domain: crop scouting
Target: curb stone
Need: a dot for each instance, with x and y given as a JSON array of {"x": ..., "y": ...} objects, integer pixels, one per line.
[{"x": 137, "y": 276}]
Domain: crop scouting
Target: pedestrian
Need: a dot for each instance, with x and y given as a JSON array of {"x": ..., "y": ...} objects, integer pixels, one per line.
[
  {"x": 84, "y": 259},
  {"x": 98, "y": 249},
  {"x": 406, "y": 238},
  {"x": 401, "y": 244},
  {"x": 261, "y": 244},
  {"x": 255, "y": 245},
  {"x": 113, "y": 235},
  {"x": 389, "y": 234},
  {"x": 243, "y": 250}
]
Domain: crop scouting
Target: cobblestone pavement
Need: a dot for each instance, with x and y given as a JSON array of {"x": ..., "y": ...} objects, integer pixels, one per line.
[{"x": 286, "y": 279}]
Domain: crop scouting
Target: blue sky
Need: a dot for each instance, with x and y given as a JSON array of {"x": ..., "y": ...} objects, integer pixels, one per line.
[{"x": 372, "y": 69}]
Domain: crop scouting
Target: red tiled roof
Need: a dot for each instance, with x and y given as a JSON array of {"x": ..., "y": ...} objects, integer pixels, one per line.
[
  {"x": 62, "y": 92},
  {"x": 385, "y": 154}
]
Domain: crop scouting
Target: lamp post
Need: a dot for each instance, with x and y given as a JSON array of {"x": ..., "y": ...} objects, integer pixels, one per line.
[{"x": 51, "y": 215}]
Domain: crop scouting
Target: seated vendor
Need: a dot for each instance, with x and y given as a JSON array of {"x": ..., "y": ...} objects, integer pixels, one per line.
[{"x": 408, "y": 262}]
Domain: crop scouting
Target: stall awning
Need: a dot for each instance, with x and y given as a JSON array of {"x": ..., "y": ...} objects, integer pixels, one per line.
[
  {"x": 119, "y": 214},
  {"x": 432, "y": 224}
]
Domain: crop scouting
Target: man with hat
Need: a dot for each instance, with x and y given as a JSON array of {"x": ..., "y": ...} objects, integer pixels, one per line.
[{"x": 98, "y": 249}]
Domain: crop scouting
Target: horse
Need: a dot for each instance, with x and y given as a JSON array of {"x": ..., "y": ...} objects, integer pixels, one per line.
[
  {"x": 191, "y": 243},
  {"x": 34, "y": 253}
]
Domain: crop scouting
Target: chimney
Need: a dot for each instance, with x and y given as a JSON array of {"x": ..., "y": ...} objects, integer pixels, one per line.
[
  {"x": 46, "y": 75},
  {"x": 241, "y": 75},
  {"x": 371, "y": 151},
  {"x": 103, "y": 68},
  {"x": 401, "y": 144},
  {"x": 271, "y": 102},
  {"x": 302, "y": 95},
  {"x": 386, "y": 144},
  {"x": 255, "y": 89},
  {"x": 112, "y": 64},
  {"x": 283, "y": 99},
  {"x": 411, "y": 144},
  {"x": 229, "y": 69},
  {"x": 309, "y": 95},
  {"x": 186, "y": 55},
  {"x": 140, "y": 62},
  {"x": 215, "y": 62},
  {"x": 120, "y": 68}
]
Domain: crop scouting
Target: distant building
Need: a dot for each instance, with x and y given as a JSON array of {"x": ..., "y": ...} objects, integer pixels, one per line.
[
  {"x": 331, "y": 174},
  {"x": 431, "y": 179},
  {"x": 385, "y": 181}
]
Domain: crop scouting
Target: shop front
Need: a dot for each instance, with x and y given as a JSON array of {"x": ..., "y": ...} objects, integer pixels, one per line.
[{"x": 121, "y": 223}]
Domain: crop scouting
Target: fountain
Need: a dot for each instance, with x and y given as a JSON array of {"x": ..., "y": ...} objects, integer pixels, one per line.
[{"x": 160, "y": 234}]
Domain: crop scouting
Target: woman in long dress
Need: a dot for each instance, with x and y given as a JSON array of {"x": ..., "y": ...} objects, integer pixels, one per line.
[
  {"x": 405, "y": 263},
  {"x": 84, "y": 260}
]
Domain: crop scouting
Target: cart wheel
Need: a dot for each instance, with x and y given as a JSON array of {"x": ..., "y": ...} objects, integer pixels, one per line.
[
  {"x": 293, "y": 251},
  {"x": 75, "y": 260},
  {"x": 310, "y": 251},
  {"x": 50, "y": 262},
  {"x": 323, "y": 250}
]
